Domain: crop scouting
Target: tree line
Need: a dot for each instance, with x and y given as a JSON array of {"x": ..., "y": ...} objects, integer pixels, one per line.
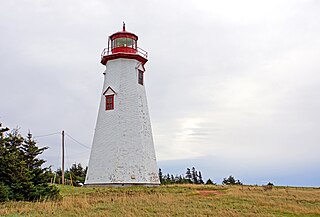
[
  {"x": 192, "y": 176},
  {"x": 74, "y": 176}
]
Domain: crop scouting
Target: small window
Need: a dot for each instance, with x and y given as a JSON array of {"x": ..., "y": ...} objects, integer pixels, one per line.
[
  {"x": 134, "y": 44},
  {"x": 129, "y": 42},
  {"x": 140, "y": 77},
  {"x": 112, "y": 44},
  {"x": 121, "y": 42},
  {"x": 109, "y": 102},
  {"x": 124, "y": 42}
]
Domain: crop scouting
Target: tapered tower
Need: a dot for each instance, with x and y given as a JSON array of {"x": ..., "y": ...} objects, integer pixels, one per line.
[{"x": 123, "y": 151}]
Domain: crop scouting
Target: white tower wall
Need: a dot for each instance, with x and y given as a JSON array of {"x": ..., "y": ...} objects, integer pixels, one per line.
[{"x": 123, "y": 150}]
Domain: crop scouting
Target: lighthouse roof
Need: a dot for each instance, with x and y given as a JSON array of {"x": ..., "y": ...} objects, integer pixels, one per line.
[{"x": 124, "y": 34}]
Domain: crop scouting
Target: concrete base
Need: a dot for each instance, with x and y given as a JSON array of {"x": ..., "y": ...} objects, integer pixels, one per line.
[{"x": 121, "y": 185}]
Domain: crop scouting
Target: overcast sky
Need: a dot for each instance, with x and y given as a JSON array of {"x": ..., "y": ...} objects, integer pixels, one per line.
[{"x": 233, "y": 86}]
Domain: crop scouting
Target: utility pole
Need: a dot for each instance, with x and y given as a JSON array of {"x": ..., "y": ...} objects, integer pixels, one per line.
[{"x": 62, "y": 151}]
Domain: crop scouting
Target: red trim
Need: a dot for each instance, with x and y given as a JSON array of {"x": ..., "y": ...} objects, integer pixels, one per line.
[
  {"x": 123, "y": 35},
  {"x": 108, "y": 89},
  {"x": 123, "y": 49},
  {"x": 105, "y": 59},
  {"x": 110, "y": 102}
]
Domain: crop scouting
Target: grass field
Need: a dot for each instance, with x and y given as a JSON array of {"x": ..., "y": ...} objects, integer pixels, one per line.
[{"x": 174, "y": 200}]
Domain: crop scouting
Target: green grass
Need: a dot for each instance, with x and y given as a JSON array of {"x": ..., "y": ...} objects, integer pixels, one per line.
[{"x": 174, "y": 200}]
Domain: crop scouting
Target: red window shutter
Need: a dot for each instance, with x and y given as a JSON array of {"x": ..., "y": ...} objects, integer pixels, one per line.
[{"x": 109, "y": 102}]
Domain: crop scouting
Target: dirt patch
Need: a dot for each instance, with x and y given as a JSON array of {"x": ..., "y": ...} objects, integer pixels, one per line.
[{"x": 212, "y": 192}]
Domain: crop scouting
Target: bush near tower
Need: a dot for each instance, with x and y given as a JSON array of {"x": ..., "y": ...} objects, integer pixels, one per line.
[{"x": 21, "y": 174}]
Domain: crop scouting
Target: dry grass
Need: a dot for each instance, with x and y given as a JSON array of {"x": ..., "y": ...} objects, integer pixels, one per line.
[{"x": 174, "y": 200}]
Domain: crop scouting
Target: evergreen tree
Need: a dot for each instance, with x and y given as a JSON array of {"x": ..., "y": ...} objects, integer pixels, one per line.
[
  {"x": 231, "y": 181},
  {"x": 5, "y": 191},
  {"x": 58, "y": 176},
  {"x": 184, "y": 180},
  {"x": 188, "y": 176},
  {"x": 77, "y": 173},
  {"x": 209, "y": 182},
  {"x": 29, "y": 147},
  {"x": 160, "y": 176},
  {"x": 194, "y": 176},
  {"x": 200, "y": 178},
  {"x": 172, "y": 179},
  {"x": 238, "y": 182},
  {"x": 21, "y": 175},
  {"x": 168, "y": 179},
  {"x": 178, "y": 179},
  {"x": 191, "y": 177}
]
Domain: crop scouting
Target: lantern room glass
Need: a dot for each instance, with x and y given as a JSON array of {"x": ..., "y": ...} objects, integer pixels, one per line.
[{"x": 124, "y": 42}]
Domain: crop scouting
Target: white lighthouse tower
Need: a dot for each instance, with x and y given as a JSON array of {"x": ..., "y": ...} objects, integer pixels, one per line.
[{"x": 122, "y": 151}]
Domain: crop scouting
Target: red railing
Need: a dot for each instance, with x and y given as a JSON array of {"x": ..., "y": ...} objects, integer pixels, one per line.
[{"x": 140, "y": 51}]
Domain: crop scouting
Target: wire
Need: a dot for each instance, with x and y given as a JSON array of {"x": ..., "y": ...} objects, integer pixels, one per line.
[
  {"x": 47, "y": 135},
  {"x": 77, "y": 141}
]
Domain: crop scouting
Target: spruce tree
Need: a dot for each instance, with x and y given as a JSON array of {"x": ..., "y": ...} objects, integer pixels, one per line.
[
  {"x": 188, "y": 176},
  {"x": 194, "y": 176},
  {"x": 21, "y": 175},
  {"x": 77, "y": 173},
  {"x": 168, "y": 179},
  {"x": 160, "y": 176},
  {"x": 200, "y": 178},
  {"x": 31, "y": 151},
  {"x": 172, "y": 179},
  {"x": 5, "y": 191},
  {"x": 231, "y": 181},
  {"x": 209, "y": 182}
]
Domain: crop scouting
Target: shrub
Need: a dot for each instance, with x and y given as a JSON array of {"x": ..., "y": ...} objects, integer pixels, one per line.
[
  {"x": 209, "y": 182},
  {"x": 231, "y": 181},
  {"x": 4, "y": 192}
]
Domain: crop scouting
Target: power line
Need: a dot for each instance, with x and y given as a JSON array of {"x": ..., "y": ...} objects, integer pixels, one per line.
[
  {"x": 51, "y": 134},
  {"x": 47, "y": 135},
  {"x": 77, "y": 141}
]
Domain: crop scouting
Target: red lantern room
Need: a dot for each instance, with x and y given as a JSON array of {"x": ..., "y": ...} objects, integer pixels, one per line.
[{"x": 123, "y": 44}]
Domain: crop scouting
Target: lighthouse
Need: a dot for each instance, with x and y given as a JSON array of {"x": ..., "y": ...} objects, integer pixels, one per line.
[{"x": 122, "y": 150}]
